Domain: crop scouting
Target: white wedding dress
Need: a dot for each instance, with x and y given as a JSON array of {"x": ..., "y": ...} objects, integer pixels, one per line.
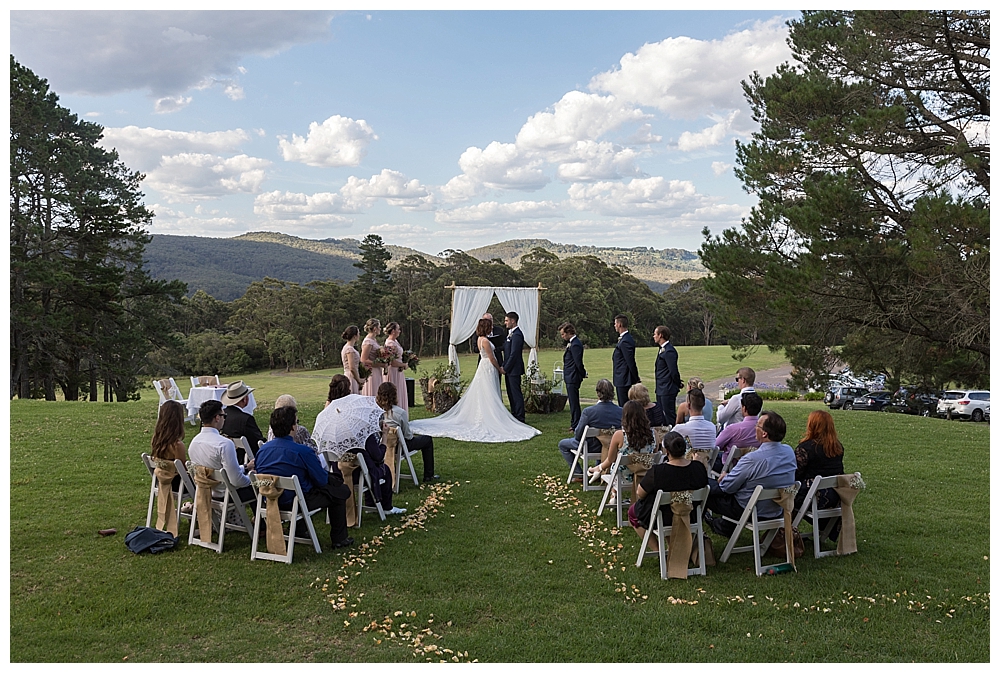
[{"x": 479, "y": 416}]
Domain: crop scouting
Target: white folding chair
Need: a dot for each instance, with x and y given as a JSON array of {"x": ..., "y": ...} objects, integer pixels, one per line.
[
  {"x": 154, "y": 489},
  {"x": 198, "y": 381},
  {"x": 187, "y": 483},
  {"x": 751, "y": 522},
  {"x": 811, "y": 511},
  {"x": 698, "y": 499},
  {"x": 402, "y": 453},
  {"x": 735, "y": 453},
  {"x": 616, "y": 480},
  {"x": 230, "y": 503},
  {"x": 659, "y": 432},
  {"x": 248, "y": 452},
  {"x": 364, "y": 485},
  {"x": 298, "y": 511},
  {"x": 584, "y": 454},
  {"x": 711, "y": 454}
]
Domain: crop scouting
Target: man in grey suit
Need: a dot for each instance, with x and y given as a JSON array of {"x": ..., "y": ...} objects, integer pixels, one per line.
[{"x": 605, "y": 414}]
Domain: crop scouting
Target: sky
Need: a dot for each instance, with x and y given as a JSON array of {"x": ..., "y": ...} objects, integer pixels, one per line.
[{"x": 433, "y": 129}]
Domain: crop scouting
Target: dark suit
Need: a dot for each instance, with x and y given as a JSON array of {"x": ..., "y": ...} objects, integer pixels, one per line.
[
  {"x": 668, "y": 382},
  {"x": 626, "y": 373},
  {"x": 601, "y": 415},
  {"x": 513, "y": 371},
  {"x": 573, "y": 375},
  {"x": 241, "y": 424}
]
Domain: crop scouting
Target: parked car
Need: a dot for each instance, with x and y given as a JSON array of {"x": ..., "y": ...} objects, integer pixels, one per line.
[
  {"x": 870, "y": 402},
  {"x": 838, "y": 397},
  {"x": 971, "y": 404},
  {"x": 912, "y": 402}
]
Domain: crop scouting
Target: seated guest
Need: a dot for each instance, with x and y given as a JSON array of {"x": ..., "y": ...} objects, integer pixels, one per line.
[
  {"x": 820, "y": 453},
  {"x": 743, "y": 433},
  {"x": 640, "y": 394},
  {"x": 635, "y": 437},
  {"x": 168, "y": 436},
  {"x": 210, "y": 449},
  {"x": 397, "y": 417},
  {"x": 238, "y": 422},
  {"x": 284, "y": 457},
  {"x": 301, "y": 433},
  {"x": 698, "y": 431},
  {"x": 729, "y": 410},
  {"x": 683, "y": 414},
  {"x": 677, "y": 474},
  {"x": 605, "y": 414},
  {"x": 771, "y": 466}
]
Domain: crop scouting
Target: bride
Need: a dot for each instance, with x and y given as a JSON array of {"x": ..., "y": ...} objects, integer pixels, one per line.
[{"x": 479, "y": 416}]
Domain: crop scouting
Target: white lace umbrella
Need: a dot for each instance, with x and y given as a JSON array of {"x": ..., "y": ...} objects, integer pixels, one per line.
[{"x": 346, "y": 423}]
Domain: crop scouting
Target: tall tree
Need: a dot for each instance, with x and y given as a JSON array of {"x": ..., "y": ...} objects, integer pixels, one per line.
[
  {"x": 872, "y": 170},
  {"x": 375, "y": 281}
]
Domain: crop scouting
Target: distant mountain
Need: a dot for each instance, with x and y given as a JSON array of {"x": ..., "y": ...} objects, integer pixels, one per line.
[{"x": 224, "y": 267}]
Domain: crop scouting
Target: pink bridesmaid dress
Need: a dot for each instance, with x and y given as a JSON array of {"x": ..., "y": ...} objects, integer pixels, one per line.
[
  {"x": 351, "y": 358},
  {"x": 375, "y": 380},
  {"x": 398, "y": 378}
]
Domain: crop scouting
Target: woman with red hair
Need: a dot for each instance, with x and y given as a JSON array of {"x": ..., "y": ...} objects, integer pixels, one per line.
[{"x": 819, "y": 453}]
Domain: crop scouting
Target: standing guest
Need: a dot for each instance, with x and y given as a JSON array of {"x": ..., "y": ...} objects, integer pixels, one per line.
[
  {"x": 640, "y": 394},
  {"x": 573, "y": 371},
  {"x": 300, "y": 434},
  {"x": 168, "y": 436},
  {"x": 635, "y": 437},
  {"x": 668, "y": 377},
  {"x": 210, "y": 449},
  {"x": 284, "y": 457},
  {"x": 683, "y": 415},
  {"x": 397, "y": 367},
  {"x": 820, "y": 453},
  {"x": 744, "y": 433},
  {"x": 603, "y": 415},
  {"x": 398, "y": 417},
  {"x": 700, "y": 432},
  {"x": 730, "y": 410},
  {"x": 513, "y": 368},
  {"x": 677, "y": 474},
  {"x": 350, "y": 356},
  {"x": 238, "y": 422},
  {"x": 368, "y": 349},
  {"x": 625, "y": 371},
  {"x": 771, "y": 466}
]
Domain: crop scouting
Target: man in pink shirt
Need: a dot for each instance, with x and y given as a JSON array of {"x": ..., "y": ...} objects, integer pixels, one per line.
[{"x": 743, "y": 433}]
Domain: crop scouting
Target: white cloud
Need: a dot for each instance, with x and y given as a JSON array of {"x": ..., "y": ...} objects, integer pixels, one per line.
[
  {"x": 720, "y": 167},
  {"x": 162, "y": 52},
  {"x": 491, "y": 211},
  {"x": 688, "y": 78},
  {"x": 389, "y": 185},
  {"x": 320, "y": 208},
  {"x": 338, "y": 141},
  {"x": 643, "y": 136},
  {"x": 577, "y": 116},
  {"x": 142, "y": 148},
  {"x": 588, "y": 161},
  {"x": 190, "y": 176},
  {"x": 639, "y": 197},
  {"x": 709, "y": 137},
  {"x": 170, "y": 221},
  {"x": 170, "y": 104},
  {"x": 500, "y": 166},
  {"x": 92, "y": 114}
]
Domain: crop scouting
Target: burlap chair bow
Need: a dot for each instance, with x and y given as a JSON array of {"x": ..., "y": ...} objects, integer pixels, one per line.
[
  {"x": 167, "y": 387},
  {"x": 604, "y": 436},
  {"x": 267, "y": 484},
  {"x": 786, "y": 500},
  {"x": 848, "y": 486},
  {"x": 391, "y": 437},
  {"x": 347, "y": 464},
  {"x": 166, "y": 513},
  {"x": 680, "y": 535},
  {"x": 702, "y": 456},
  {"x": 206, "y": 380},
  {"x": 204, "y": 481}
]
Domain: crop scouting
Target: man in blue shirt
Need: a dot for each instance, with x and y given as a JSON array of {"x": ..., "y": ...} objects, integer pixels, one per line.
[
  {"x": 771, "y": 466},
  {"x": 605, "y": 414},
  {"x": 283, "y": 457}
]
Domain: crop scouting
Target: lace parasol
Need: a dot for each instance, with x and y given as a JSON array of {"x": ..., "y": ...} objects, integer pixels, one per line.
[{"x": 346, "y": 423}]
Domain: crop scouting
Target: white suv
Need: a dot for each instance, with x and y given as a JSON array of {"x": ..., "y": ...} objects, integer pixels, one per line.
[{"x": 973, "y": 404}]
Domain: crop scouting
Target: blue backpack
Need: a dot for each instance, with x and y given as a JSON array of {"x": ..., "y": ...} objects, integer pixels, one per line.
[{"x": 152, "y": 540}]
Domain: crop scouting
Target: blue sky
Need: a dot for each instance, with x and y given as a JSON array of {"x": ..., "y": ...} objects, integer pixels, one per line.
[{"x": 433, "y": 129}]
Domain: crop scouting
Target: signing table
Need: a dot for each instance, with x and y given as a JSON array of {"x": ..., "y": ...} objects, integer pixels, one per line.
[{"x": 202, "y": 394}]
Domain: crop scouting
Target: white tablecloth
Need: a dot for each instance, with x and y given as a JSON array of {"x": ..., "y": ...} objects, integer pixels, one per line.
[{"x": 202, "y": 394}]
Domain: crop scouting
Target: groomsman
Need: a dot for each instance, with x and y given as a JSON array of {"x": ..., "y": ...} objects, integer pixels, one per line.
[
  {"x": 626, "y": 373},
  {"x": 668, "y": 378},
  {"x": 573, "y": 371},
  {"x": 513, "y": 368}
]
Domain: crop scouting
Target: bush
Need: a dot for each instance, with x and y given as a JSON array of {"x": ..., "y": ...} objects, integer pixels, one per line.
[{"x": 814, "y": 396}]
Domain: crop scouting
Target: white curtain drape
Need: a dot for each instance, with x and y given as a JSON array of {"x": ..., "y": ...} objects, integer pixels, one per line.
[
  {"x": 524, "y": 302},
  {"x": 468, "y": 306}
]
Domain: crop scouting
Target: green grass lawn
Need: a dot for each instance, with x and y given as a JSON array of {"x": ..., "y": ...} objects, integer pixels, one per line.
[{"x": 503, "y": 562}]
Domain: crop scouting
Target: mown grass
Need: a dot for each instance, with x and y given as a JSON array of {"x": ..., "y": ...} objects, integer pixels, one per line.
[{"x": 498, "y": 565}]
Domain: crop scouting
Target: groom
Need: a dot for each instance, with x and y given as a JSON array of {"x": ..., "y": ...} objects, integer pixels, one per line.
[{"x": 513, "y": 365}]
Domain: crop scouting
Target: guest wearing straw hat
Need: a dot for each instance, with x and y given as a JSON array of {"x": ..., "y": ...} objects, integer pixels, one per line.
[{"x": 238, "y": 422}]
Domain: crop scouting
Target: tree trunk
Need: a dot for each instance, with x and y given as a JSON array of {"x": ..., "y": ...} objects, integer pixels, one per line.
[
  {"x": 93, "y": 383},
  {"x": 50, "y": 388}
]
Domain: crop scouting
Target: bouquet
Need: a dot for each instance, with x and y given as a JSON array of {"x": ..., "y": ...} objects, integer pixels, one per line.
[
  {"x": 411, "y": 359},
  {"x": 383, "y": 356},
  {"x": 363, "y": 371}
]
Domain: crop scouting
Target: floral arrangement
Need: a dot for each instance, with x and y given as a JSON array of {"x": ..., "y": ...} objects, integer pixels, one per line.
[
  {"x": 411, "y": 359},
  {"x": 383, "y": 356},
  {"x": 363, "y": 371}
]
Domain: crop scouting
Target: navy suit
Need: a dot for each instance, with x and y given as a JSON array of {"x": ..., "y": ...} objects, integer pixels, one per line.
[
  {"x": 668, "y": 382},
  {"x": 573, "y": 375},
  {"x": 513, "y": 368},
  {"x": 601, "y": 415},
  {"x": 626, "y": 373}
]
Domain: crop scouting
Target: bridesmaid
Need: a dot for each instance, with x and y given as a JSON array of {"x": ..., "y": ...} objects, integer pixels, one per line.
[
  {"x": 350, "y": 356},
  {"x": 397, "y": 367},
  {"x": 368, "y": 348}
]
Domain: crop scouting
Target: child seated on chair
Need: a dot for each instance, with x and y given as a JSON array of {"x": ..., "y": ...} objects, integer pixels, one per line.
[{"x": 677, "y": 474}]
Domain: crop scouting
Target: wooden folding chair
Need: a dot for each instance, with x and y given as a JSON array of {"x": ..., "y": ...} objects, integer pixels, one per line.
[
  {"x": 230, "y": 503},
  {"x": 811, "y": 511},
  {"x": 656, "y": 527},
  {"x": 757, "y": 527},
  {"x": 299, "y": 511},
  {"x": 616, "y": 480}
]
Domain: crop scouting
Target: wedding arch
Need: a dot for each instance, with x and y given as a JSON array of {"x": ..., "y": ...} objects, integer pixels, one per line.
[{"x": 468, "y": 304}]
